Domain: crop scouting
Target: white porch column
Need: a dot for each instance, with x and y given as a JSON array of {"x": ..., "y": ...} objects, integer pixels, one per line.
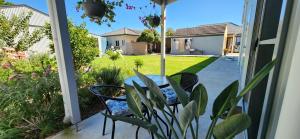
[
  {"x": 64, "y": 56},
  {"x": 163, "y": 38}
]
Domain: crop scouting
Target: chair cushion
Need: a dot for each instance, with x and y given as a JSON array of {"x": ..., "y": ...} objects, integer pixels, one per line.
[
  {"x": 170, "y": 95},
  {"x": 118, "y": 107}
]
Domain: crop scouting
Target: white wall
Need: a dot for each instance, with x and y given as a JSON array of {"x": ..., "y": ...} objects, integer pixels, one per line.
[
  {"x": 127, "y": 38},
  {"x": 284, "y": 123},
  {"x": 210, "y": 45},
  {"x": 177, "y": 46},
  {"x": 99, "y": 38},
  {"x": 37, "y": 19},
  {"x": 288, "y": 123}
]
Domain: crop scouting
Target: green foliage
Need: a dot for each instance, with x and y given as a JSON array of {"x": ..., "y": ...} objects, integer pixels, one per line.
[
  {"x": 134, "y": 102},
  {"x": 114, "y": 55},
  {"x": 31, "y": 103},
  {"x": 3, "y": 2},
  {"x": 170, "y": 32},
  {"x": 181, "y": 94},
  {"x": 194, "y": 106},
  {"x": 32, "y": 106},
  {"x": 110, "y": 76},
  {"x": 199, "y": 95},
  {"x": 149, "y": 36},
  {"x": 187, "y": 116},
  {"x": 232, "y": 126},
  {"x": 14, "y": 32},
  {"x": 224, "y": 100},
  {"x": 109, "y": 16},
  {"x": 151, "y": 21},
  {"x": 138, "y": 63},
  {"x": 84, "y": 47}
]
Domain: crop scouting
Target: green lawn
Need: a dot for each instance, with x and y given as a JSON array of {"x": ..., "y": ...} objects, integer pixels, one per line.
[{"x": 174, "y": 64}]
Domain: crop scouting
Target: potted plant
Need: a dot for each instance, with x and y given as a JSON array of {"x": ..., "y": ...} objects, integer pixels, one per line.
[
  {"x": 154, "y": 21},
  {"x": 99, "y": 11},
  {"x": 194, "y": 106},
  {"x": 94, "y": 8},
  {"x": 151, "y": 21}
]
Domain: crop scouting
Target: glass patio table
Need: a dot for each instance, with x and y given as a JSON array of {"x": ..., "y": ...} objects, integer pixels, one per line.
[{"x": 161, "y": 81}]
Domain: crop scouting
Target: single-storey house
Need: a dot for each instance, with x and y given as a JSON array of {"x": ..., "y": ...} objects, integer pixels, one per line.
[
  {"x": 211, "y": 39},
  {"x": 37, "y": 20},
  {"x": 125, "y": 39}
]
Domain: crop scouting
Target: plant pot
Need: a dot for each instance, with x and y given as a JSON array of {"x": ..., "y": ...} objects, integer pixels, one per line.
[
  {"x": 154, "y": 21},
  {"x": 94, "y": 8}
]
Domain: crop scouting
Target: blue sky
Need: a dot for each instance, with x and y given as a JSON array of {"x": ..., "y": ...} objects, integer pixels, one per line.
[{"x": 183, "y": 13}]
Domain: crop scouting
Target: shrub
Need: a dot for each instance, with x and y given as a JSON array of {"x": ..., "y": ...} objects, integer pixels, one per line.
[
  {"x": 114, "y": 54},
  {"x": 84, "y": 47},
  {"x": 110, "y": 76},
  {"x": 32, "y": 106},
  {"x": 40, "y": 62},
  {"x": 15, "y": 32}
]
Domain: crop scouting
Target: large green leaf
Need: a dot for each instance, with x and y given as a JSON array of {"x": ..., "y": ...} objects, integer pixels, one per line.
[
  {"x": 258, "y": 78},
  {"x": 134, "y": 102},
  {"x": 224, "y": 100},
  {"x": 155, "y": 93},
  {"x": 143, "y": 96},
  {"x": 232, "y": 126},
  {"x": 135, "y": 121},
  {"x": 199, "y": 95},
  {"x": 181, "y": 94},
  {"x": 187, "y": 115}
]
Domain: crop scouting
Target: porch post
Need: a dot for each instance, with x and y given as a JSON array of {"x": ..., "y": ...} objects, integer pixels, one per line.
[
  {"x": 61, "y": 39},
  {"x": 163, "y": 38}
]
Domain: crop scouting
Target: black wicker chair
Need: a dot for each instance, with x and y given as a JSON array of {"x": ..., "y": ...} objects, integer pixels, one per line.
[
  {"x": 187, "y": 82},
  {"x": 108, "y": 103}
]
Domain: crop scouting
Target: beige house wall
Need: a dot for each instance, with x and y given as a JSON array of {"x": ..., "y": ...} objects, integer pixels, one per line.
[
  {"x": 136, "y": 48},
  {"x": 209, "y": 45},
  {"x": 124, "y": 41}
]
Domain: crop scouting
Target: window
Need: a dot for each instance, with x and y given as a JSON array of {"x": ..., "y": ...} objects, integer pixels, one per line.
[
  {"x": 238, "y": 40},
  {"x": 117, "y": 43},
  {"x": 123, "y": 42}
]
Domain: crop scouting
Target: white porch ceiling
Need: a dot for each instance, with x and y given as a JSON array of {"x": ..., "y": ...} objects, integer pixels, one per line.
[{"x": 160, "y": 1}]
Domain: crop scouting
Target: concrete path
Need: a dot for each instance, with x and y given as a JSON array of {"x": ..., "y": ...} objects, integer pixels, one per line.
[{"x": 214, "y": 77}]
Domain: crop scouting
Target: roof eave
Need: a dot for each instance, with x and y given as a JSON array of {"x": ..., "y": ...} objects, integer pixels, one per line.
[
  {"x": 160, "y": 1},
  {"x": 119, "y": 35}
]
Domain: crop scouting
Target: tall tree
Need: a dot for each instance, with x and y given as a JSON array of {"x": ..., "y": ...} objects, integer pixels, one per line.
[
  {"x": 170, "y": 32},
  {"x": 151, "y": 37},
  {"x": 14, "y": 32},
  {"x": 3, "y": 2},
  {"x": 84, "y": 46}
]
